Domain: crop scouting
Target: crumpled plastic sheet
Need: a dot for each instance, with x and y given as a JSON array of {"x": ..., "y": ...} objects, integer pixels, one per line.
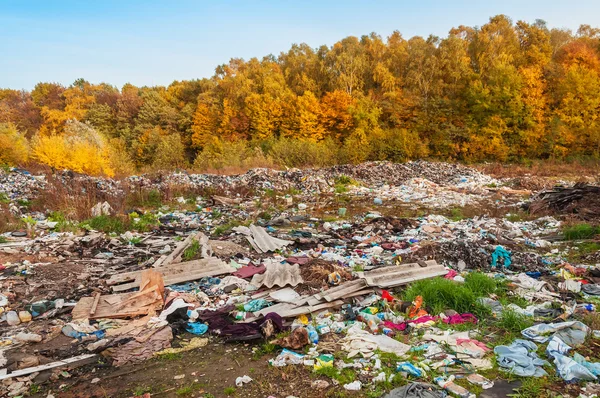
[
  {"x": 360, "y": 341},
  {"x": 570, "y": 370},
  {"x": 256, "y": 305},
  {"x": 592, "y": 290},
  {"x": 572, "y": 333},
  {"x": 142, "y": 348},
  {"x": 416, "y": 390},
  {"x": 196, "y": 328},
  {"x": 521, "y": 359},
  {"x": 501, "y": 253},
  {"x": 287, "y": 357},
  {"x": 593, "y": 367}
]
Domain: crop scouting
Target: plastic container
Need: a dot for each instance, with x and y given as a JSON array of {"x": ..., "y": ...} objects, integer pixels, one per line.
[
  {"x": 12, "y": 318},
  {"x": 28, "y": 337},
  {"x": 24, "y": 316},
  {"x": 313, "y": 336},
  {"x": 452, "y": 388}
]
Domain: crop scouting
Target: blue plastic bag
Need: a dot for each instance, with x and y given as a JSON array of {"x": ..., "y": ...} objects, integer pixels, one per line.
[{"x": 196, "y": 328}]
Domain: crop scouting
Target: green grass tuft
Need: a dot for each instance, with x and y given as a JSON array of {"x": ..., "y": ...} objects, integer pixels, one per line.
[
  {"x": 188, "y": 389},
  {"x": 511, "y": 323},
  {"x": 480, "y": 284},
  {"x": 192, "y": 251},
  {"x": 441, "y": 294},
  {"x": 105, "y": 224},
  {"x": 580, "y": 231}
]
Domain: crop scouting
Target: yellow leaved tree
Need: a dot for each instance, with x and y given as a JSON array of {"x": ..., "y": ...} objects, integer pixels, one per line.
[
  {"x": 81, "y": 149},
  {"x": 13, "y": 145}
]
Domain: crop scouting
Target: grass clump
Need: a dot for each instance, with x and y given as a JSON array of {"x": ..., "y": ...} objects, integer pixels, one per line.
[
  {"x": 144, "y": 198},
  {"x": 106, "y": 224},
  {"x": 192, "y": 251},
  {"x": 141, "y": 390},
  {"x": 229, "y": 390},
  {"x": 3, "y": 239},
  {"x": 456, "y": 214},
  {"x": 342, "y": 182},
  {"x": 64, "y": 224},
  {"x": 188, "y": 389},
  {"x": 143, "y": 223},
  {"x": 480, "y": 284},
  {"x": 264, "y": 349},
  {"x": 440, "y": 294},
  {"x": 343, "y": 376},
  {"x": 4, "y": 198},
  {"x": 580, "y": 231},
  {"x": 512, "y": 323},
  {"x": 170, "y": 356}
]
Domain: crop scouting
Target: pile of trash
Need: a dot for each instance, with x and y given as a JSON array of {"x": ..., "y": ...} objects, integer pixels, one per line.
[
  {"x": 351, "y": 293},
  {"x": 309, "y": 181},
  {"x": 581, "y": 200},
  {"x": 17, "y": 184}
]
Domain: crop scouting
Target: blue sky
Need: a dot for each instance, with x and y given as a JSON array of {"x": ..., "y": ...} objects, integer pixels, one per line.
[{"x": 155, "y": 42}]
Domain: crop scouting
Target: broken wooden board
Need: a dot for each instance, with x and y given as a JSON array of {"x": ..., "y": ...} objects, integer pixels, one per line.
[
  {"x": 127, "y": 305},
  {"x": 175, "y": 273},
  {"x": 175, "y": 255},
  {"x": 74, "y": 362}
]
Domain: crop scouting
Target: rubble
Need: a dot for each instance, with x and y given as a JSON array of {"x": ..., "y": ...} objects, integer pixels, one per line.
[
  {"x": 330, "y": 289},
  {"x": 581, "y": 200}
]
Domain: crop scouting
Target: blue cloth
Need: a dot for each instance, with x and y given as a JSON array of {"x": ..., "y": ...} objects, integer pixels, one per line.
[
  {"x": 593, "y": 367},
  {"x": 572, "y": 333},
  {"x": 521, "y": 359},
  {"x": 256, "y": 305},
  {"x": 501, "y": 253}
]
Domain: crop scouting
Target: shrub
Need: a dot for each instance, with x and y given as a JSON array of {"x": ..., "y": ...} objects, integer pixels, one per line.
[
  {"x": 170, "y": 153},
  {"x": 81, "y": 149},
  {"x": 398, "y": 145},
  {"x": 303, "y": 153},
  {"x": 13, "y": 145}
]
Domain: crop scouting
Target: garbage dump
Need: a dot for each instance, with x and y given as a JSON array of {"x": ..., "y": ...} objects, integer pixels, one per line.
[{"x": 432, "y": 281}]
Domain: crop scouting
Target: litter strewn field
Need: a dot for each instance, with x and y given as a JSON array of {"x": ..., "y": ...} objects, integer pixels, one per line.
[{"x": 380, "y": 279}]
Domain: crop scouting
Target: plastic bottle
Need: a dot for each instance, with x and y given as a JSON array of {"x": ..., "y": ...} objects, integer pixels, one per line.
[
  {"x": 313, "y": 336},
  {"x": 39, "y": 307},
  {"x": 24, "y": 316},
  {"x": 28, "y": 337},
  {"x": 12, "y": 318},
  {"x": 371, "y": 320},
  {"x": 452, "y": 388}
]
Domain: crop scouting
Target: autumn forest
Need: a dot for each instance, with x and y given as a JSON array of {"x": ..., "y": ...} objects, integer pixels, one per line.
[{"x": 505, "y": 91}]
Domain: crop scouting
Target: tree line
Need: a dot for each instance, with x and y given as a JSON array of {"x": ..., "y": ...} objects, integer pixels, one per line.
[{"x": 503, "y": 92}]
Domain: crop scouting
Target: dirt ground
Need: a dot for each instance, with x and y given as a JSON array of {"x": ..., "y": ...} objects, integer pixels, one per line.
[{"x": 209, "y": 372}]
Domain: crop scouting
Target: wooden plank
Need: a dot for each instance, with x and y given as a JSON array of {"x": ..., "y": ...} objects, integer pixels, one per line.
[
  {"x": 166, "y": 271},
  {"x": 147, "y": 299},
  {"x": 95, "y": 304},
  {"x": 183, "y": 277},
  {"x": 71, "y": 362},
  {"x": 170, "y": 258}
]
